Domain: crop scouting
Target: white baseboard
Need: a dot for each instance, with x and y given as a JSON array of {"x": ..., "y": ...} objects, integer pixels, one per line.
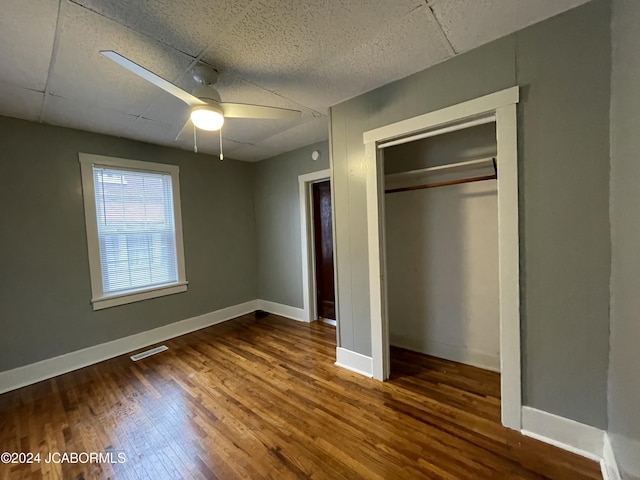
[
  {"x": 454, "y": 353},
  {"x": 608, "y": 464},
  {"x": 625, "y": 455},
  {"x": 576, "y": 437},
  {"x": 52, "y": 367},
  {"x": 356, "y": 362},
  {"x": 288, "y": 311},
  {"x": 564, "y": 433}
]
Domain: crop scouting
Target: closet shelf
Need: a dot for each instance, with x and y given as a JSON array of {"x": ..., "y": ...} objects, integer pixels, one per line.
[{"x": 478, "y": 165}]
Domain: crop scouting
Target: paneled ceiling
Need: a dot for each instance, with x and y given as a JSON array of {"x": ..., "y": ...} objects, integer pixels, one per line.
[{"x": 300, "y": 54}]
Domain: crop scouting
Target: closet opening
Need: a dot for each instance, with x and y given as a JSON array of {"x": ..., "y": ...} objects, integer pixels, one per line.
[
  {"x": 498, "y": 111},
  {"x": 441, "y": 249}
]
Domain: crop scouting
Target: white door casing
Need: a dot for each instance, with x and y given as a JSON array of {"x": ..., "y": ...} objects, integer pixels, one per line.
[
  {"x": 498, "y": 107},
  {"x": 305, "y": 183}
]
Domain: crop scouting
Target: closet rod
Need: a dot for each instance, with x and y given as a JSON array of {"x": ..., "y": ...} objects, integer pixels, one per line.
[{"x": 442, "y": 184}]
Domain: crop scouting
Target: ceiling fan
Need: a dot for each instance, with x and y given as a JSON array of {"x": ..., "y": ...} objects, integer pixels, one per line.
[{"x": 207, "y": 111}]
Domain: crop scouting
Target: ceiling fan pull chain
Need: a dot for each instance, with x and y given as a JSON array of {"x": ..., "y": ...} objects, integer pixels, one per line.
[
  {"x": 195, "y": 141},
  {"x": 221, "y": 155}
]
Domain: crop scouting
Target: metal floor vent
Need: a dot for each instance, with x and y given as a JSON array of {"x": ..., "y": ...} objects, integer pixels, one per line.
[{"x": 148, "y": 353}]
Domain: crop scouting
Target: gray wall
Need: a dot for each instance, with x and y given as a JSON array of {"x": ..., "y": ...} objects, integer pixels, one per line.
[
  {"x": 624, "y": 373},
  {"x": 563, "y": 67},
  {"x": 277, "y": 213},
  {"x": 44, "y": 271}
]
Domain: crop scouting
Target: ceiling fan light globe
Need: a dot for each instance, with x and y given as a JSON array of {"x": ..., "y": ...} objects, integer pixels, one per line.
[{"x": 207, "y": 118}]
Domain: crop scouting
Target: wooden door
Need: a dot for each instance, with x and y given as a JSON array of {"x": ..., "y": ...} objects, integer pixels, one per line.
[{"x": 323, "y": 243}]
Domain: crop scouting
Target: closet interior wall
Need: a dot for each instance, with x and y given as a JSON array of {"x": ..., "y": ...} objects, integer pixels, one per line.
[{"x": 442, "y": 251}]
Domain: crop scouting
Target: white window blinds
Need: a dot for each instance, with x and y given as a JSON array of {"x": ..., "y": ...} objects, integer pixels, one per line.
[{"x": 135, "y": 227}]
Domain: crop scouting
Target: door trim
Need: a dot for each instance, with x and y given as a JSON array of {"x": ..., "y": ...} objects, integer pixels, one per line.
[
  {"x": 307, "y": 244},
  {"x": 501, "y": 108}
]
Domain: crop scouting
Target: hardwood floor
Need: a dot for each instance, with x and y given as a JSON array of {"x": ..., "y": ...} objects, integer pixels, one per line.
[{"x": 261, "y": 398}]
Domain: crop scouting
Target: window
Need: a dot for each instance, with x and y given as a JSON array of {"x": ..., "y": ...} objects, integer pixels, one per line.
[{"x": 134, "y": 229}]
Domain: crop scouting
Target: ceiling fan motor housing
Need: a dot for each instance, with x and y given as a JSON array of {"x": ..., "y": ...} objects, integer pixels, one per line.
[
  {"x": 204, "y": 74},
  {"x": 205, "y": 77}
]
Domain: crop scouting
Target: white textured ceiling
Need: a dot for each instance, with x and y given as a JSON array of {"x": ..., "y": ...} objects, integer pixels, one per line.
[{"x": 300, "y": 54}]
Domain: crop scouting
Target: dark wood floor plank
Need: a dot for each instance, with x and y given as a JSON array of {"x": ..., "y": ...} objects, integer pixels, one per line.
[{"x": 261, "y": 399}]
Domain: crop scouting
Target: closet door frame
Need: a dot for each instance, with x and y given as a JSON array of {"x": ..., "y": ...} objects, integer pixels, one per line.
[{"x": 498, "y": 107}]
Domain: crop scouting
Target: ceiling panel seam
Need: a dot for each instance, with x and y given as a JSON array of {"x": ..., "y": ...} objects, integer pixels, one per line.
[
  {"x": 210, "y": 48},
  {"x": 227, "y": 139},
  {"x": 314, "y": 113},
  {"x": 229, "y": 25},
  {"x": 62, "y": 8},
  {"x": 440, "y": 29},
  {"x": 286, "y": 130},
  {"x": 322, "y": 61},
  {"x": 84, "y": 7},
  {"x": 21, "y": 87},
  {"x": 159, "y": 95}
]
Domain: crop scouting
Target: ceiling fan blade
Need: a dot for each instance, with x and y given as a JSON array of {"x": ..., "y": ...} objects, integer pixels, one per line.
[
  {"x": 242, "y": 110},
  {"x": 153, "y": 78}
]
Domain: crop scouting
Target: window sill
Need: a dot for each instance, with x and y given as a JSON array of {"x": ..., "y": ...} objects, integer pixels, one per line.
[{"x": 137, "y": 295}]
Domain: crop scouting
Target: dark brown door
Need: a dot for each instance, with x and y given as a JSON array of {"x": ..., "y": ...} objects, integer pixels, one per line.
[{"x": 323, "y": 243}]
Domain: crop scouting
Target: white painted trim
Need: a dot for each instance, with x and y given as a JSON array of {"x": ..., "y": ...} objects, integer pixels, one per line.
[
  {"x": 138, "y": 295},
  {"x": 509, "y": 265},
  {"x": 306, "y": 238},
  {"x": 564, "y": 433},
  {"x": 453, "y": 128},
  {"x": 334, "y": 223},
  {"x": 353, "y": 361},
  {"x": 377, "y": 282},
  {"x": 294, "y": 313},
  {"x": 608, "y": 464},
  {"x": 52, "y": 367},
  {"x": 99, "y": 300},
  {"x": 575, "y": 437},
  {"x": 500, "y": 105},
  {"x": 453, "y": 114}
]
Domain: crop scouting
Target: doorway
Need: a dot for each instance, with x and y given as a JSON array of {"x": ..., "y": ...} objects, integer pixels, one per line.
[
  {"x": 498, "y": 107},
  {"x": 316, "y": 281},
  {"x": 323, "y": 249}
]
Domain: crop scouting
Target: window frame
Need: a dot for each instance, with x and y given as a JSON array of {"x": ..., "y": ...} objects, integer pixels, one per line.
[{"x": 100, "y": 299}]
